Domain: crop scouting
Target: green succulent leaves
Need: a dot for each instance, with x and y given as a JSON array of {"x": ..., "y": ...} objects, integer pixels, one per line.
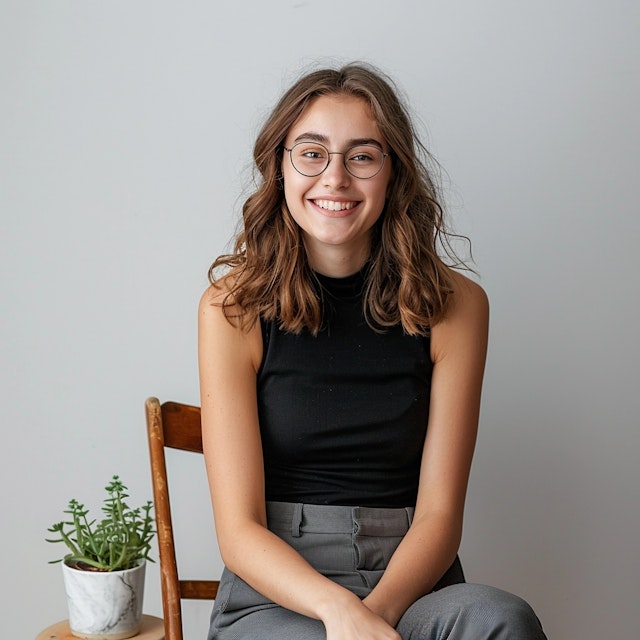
[{"x": 119, "y": 541}]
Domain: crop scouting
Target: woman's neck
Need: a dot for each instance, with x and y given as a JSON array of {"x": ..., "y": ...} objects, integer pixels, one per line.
[{"x": 335, "y": 262}]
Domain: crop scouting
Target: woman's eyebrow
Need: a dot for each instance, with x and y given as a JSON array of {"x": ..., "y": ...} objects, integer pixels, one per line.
[
  {"x": 314, "y": 137},
  {"x": 310, "y": 136}
]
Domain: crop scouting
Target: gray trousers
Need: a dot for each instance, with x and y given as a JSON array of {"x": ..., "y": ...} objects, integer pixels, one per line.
[{"x": 352, "y": 546}]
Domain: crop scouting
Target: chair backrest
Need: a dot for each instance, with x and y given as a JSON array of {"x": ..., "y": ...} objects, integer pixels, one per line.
[{"x": 176, "y": 426}]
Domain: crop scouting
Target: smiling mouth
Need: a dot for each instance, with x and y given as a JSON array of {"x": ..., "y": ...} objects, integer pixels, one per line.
[{"x": 332, "y": 205}]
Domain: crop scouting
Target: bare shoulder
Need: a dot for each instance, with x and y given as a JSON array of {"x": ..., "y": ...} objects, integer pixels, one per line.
[
  {"x": 468, "y": 296},
  {"x": 215, "y": 294},
  {"x": 211, "y": 310},
  {"x": 219, "y": 330},
  {"x": 216, "y": 303},
  {"x": 466, "y": 320}
]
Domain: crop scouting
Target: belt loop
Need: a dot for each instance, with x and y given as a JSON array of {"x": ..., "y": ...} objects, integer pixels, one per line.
[
  {"x": 409, "y": 511},
  {"x": 296, "y": 520},
  {"x": 355, "y": 515}
]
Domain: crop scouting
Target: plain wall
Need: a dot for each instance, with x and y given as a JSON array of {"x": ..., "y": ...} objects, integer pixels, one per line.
[{"x": 126, "y": 131}]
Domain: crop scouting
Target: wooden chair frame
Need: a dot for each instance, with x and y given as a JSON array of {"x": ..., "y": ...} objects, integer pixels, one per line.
[{"x": 176, "y": 426}]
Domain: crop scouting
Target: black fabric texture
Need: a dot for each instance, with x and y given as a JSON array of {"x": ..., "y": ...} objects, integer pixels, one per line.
[{"x": 343, "y": 415}]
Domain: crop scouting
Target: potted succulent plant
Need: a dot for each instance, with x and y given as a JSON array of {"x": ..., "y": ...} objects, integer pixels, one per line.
[{"x": 105, "y": 565}]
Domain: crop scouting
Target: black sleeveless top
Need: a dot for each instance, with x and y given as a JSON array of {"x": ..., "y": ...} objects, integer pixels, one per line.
[{"x": 343, "y": 415}]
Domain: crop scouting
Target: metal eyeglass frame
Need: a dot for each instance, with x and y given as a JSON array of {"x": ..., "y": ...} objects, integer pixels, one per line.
[{"x": 336, "y": 153}]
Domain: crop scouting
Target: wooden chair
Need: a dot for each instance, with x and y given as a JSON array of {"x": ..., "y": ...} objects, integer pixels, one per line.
[{"x": 176, "y": 426}]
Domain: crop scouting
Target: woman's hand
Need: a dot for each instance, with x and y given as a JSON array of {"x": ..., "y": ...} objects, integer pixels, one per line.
[{"x": 349, "y": 619}]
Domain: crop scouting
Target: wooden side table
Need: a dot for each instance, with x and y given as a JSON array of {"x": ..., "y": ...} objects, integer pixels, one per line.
[{"x": 152, "y": 629}]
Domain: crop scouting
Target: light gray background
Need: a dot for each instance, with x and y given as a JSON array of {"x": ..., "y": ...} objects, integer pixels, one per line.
[{"x": 126, "y": 128}]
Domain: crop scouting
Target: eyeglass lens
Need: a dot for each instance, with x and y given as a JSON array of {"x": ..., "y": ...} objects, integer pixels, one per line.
[{"x": 311, "y": 159}]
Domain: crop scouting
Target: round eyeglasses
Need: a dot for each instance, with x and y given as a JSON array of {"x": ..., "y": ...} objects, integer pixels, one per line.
[{"x": 362, "y": 161}]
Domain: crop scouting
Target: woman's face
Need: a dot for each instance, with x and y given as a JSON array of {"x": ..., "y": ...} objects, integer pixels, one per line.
[{"x": 335, "y": 210}]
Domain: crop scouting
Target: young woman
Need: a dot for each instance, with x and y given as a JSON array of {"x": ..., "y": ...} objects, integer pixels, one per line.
[{"x": 341, "y": 364}]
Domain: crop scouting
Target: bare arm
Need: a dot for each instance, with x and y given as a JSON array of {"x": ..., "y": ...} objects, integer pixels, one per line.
[
  {"x": 458, "y": 349},
  {"x": 229, "y": 360}
]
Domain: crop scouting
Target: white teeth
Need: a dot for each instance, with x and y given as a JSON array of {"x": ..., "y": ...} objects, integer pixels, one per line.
[{"x": 331, "y": 205}]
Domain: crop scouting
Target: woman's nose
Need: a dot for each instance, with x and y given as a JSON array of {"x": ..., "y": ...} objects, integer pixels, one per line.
[{"x": 336, "y": 174}]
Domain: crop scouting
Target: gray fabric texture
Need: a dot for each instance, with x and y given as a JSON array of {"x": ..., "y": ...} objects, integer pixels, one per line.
[{"x": 352, "y": 546}]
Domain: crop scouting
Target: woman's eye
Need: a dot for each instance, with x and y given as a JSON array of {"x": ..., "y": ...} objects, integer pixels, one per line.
[
  {"x": 362, "y": 157},
  {"x": 311, "y": 152}
]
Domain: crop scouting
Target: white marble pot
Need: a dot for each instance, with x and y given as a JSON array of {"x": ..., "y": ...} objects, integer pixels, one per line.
[{"x": 104, "y": 605}]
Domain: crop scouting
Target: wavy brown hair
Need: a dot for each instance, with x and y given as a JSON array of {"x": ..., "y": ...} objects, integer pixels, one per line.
[{"x": 267, "y": 274}]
